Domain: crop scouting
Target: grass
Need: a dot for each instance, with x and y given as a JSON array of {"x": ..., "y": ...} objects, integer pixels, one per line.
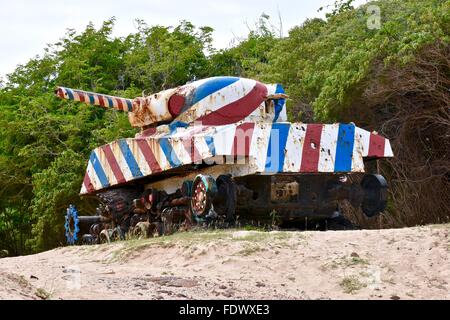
[
  {"x": 193, "y": 237},
  {"x": 440, "y": 226},
  {"x": 250, "y": 227},
  {"x": 351, "y": 284},
  {"x": 249, "y": 250},
  {"x": 22, "y": 281},
  {"x": 345, "y": 262},
  {"x": 356, "y": 261},
  {"x": 43, "y": 294}
]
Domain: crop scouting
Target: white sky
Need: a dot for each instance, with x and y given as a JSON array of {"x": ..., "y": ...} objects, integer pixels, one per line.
[{"x": 27, "y": 26}]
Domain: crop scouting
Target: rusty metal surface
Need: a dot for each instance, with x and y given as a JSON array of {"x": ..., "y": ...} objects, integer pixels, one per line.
[{"x": 151, "y": 109}]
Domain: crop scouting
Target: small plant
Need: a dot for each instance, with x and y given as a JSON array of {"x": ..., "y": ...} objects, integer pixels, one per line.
[
  {"x": 357, "y": 260},
  {"x": 43, "y": 294},
  {"x": 351, "y": 261},
  {"x": 22, "y": 281},
  {"x": 250, "y": 227},
  {"x": 275, "y": 218},
  {"x": 351, "y": 284}
]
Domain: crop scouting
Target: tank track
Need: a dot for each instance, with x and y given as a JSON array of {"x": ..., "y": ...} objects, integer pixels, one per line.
[{"x": 274, "y": 200}]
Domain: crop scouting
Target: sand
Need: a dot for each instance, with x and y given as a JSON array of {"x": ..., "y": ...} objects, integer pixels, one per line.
[{"x": 410, "y": 263}]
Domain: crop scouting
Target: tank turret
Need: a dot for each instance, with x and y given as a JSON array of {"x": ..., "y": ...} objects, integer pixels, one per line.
[{"x": 211, "y": 101}]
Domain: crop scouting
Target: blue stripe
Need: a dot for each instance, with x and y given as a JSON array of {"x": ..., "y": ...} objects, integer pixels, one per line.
[
  {"x": 129, "y": 158},
  {"x": 70, "y": 94},
  {"x": 129, "y": 105},
  {"x": 278, "y": 139},
  {"x": 210, "y": 142},
  {"x": 99, "y": 170},
  {"x": 110, "y": 102},
  {"x": 211, "y": 86},
  {"x": 173, "y": 126},
  {"x": 169, "y": 153},
  {"x": 344, "y": 148},
  {"x": 91, "y": 98},
  {"x": 279, "y": 103}
]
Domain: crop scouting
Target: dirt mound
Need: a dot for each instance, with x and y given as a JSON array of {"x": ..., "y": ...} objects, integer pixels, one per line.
[
  {"x": 407, "y": 263},
  {"x": 15, "y": 287}
]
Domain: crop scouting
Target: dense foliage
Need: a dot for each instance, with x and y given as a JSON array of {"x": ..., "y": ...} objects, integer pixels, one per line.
[{"x": 393, "y": 78}]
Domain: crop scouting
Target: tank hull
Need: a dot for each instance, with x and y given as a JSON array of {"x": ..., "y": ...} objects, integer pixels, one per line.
[{"x": 252, "y": 147}]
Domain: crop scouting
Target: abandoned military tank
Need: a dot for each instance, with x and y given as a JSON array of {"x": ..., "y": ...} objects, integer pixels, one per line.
[{"x": 217, "y": 149}]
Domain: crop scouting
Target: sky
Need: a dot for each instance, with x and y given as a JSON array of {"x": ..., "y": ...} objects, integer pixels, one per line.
[{"x": 27, "y": 26}]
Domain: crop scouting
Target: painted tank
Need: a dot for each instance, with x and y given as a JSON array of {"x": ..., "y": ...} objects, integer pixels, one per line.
[{"x": 217, "y": 150}]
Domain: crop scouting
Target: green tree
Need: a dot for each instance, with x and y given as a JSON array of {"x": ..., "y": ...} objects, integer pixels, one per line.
[
  {"x": 164, "y": 57},
  {"x": 325, "y": 64}
]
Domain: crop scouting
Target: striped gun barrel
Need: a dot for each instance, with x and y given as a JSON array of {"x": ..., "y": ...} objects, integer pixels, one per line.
[{"x": 95, "y": 99}]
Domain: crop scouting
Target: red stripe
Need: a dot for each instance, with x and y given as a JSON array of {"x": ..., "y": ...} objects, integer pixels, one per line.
[
  {"x": 311, "y": 148},
  {"x": 376, "y": 145},
  {"x": 119, "y": 103},
  {"x": 61, "y": 93},
  {"x": 243, "y": 139},
  {"x": 113, "y": 164},
  {"x": 192, "y": 150},
  {"x": 237, "y": 110},
  {"x": 81, "y": 96},
  {"x": 88, "y": 184},
  {"x": 101, "y": 101},
  {"x": 176, "y": 104},
  {"x": 147, "y": 132},
  {"x": 148, "y": 154}
]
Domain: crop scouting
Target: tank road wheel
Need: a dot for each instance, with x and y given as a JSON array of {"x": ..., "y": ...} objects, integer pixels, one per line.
[
  {"x": 88, "y": 239},
  {"x": 167, "y": 221},
  {"x": 104, "y": 236},
  {"x": 72, "y": 225},
  {"x": 375, "y": 194},
  {"x": 225, "y": 202},
  {"x": 142, "y": 230},
  {"x": 204, "y": 189},
  {"x": 117, "y": 235}
]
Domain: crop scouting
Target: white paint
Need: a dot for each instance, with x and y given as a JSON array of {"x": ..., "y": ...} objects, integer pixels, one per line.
[
  {"x": 93, "y": 176},
  {"x": 387, "y": 149},
  {"x": 364, "y": 141},
  {"x": 223, "y": 139},
  {"x": 294, "y": 147},
  {"x": 260, "y": 143},
  {"x": 328, "y": 143}
]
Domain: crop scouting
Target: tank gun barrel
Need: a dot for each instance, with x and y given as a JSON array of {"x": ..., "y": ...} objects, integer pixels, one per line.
[{"x": 95, "y": 99}]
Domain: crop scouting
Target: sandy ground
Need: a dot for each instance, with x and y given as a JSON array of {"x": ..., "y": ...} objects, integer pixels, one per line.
[{"x": 408, "y": 263}]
